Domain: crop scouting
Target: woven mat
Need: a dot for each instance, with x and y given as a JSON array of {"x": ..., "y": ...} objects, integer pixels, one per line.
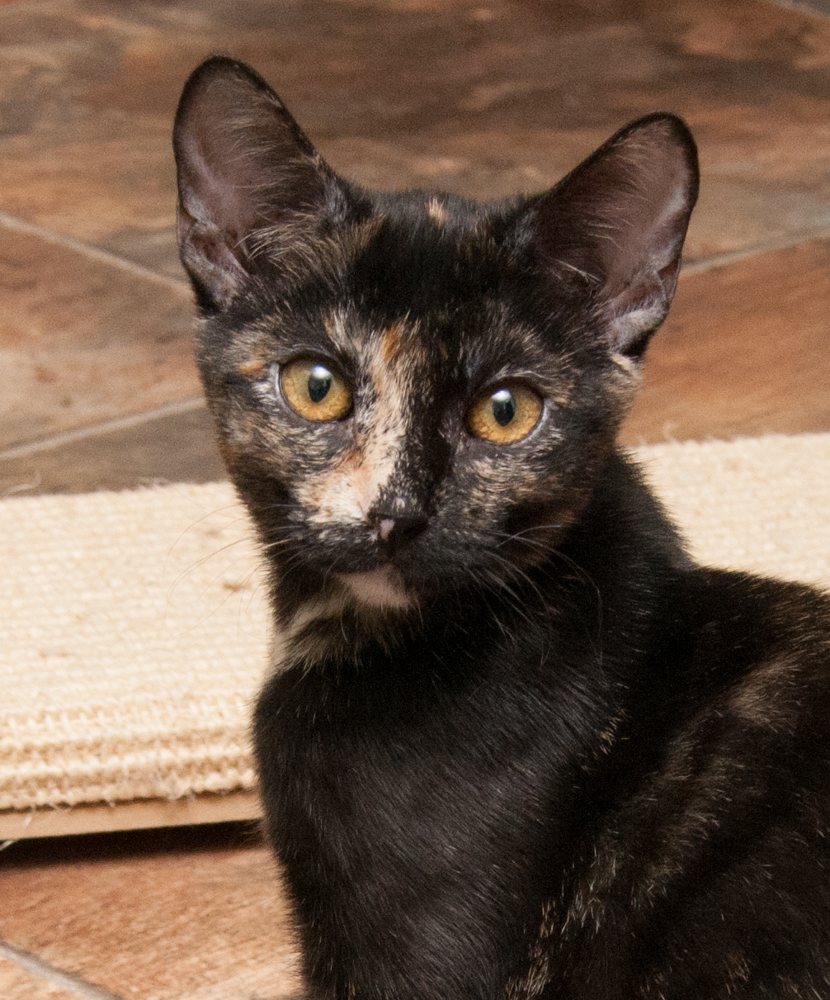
[{"x": 135, "y": 629}]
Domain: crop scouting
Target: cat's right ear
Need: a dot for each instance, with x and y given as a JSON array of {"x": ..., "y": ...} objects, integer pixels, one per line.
[{"x": 251, "y": 185}]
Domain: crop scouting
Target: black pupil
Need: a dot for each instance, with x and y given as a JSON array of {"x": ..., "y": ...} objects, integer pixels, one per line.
[
  {"x": 504, "y": 406},
  {"x": 319, "y": 383}
]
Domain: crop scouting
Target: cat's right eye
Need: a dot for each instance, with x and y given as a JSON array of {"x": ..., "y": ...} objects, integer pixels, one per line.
[{"x": 315, "y": 390}]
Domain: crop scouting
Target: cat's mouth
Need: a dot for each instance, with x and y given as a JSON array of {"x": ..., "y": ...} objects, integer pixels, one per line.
[{"x": 382, "y": 587}]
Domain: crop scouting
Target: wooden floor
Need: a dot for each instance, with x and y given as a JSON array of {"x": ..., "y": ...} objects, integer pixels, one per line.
[{"x": 485, "y": 98}]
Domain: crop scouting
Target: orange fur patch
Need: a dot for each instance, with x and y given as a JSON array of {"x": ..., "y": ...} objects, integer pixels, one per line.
[{"x": 253, "y": 368}]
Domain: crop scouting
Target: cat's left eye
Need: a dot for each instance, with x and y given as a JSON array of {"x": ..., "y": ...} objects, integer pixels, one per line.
[
  {"x": 505, "y": 415},
  {"x": 315, "y": 390}
]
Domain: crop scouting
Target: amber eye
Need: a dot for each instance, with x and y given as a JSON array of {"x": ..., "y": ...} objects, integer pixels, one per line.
[
  {"x": 505, "y": 415},
  {"x": 314, "y": 390}
]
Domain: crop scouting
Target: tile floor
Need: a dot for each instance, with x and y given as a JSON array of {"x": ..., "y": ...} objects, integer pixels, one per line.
[{"x": 480, "y": 96}]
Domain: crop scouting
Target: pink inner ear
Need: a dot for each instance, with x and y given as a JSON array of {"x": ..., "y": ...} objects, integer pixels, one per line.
[
  {"x": 618, "y": 221},
  {"x": 244, "y": 167}
]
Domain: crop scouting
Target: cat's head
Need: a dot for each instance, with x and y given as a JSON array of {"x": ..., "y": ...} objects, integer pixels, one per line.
[{"x": 415, "y": 392}]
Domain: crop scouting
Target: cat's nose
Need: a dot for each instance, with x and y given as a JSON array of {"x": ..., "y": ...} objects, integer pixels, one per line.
[{"x": 398, "y": 522}]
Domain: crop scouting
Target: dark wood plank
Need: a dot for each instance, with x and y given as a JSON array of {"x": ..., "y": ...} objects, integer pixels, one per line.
[
  {"x": 83, "y": 341},
  {"x": 745, "y": 350},
  {"x": 197, "y": 920}
]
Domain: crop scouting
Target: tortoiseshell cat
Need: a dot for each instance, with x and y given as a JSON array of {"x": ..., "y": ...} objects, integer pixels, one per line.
[{"x": 519, "y": 746}]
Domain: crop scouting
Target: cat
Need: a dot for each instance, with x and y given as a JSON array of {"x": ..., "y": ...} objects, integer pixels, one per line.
[{"x": 518, "y": 745}]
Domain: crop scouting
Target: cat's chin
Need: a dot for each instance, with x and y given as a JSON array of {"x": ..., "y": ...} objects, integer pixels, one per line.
[{"x": 378, "y": 588}]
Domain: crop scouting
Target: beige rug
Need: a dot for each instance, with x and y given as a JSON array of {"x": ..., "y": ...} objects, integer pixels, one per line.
[{"x": 134, "y": 625}]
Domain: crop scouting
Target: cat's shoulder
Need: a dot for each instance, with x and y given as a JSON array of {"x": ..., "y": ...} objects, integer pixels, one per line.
[
  {"x": 725, "y": 808},
  {"x": 748, "y": 621},
  {"x": 750, "y": 655},
  {"x": 749, "y": 734}
]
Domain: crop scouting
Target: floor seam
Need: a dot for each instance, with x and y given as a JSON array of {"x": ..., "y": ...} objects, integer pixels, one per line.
[
  {"x": 755, "y": 250},
  {"x": 15, "y": 224},
  {"x": 106, "y": 427},
  {"x": 800, "y": 6},
  {"x": 45, "y": 970}
]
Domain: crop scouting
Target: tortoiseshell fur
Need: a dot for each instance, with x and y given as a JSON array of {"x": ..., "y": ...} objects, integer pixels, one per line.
[{"x": 519, "y": 746}]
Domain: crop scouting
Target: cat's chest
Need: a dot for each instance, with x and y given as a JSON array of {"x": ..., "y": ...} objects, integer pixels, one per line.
[
  {"x": 398, "y": 811},
  {"x": 393, "y": 762},
  {"x": 406, "y": 731}
]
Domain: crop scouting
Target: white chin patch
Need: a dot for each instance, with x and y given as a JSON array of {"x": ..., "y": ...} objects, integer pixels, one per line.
[{"x": 379, "y": 588}]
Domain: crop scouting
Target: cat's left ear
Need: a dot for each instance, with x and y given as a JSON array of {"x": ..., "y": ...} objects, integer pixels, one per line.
[{"x": 613, "y": 229}]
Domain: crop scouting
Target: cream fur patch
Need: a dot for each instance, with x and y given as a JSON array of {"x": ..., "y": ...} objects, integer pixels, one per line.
[
  {"x": 378, "y": 588},
  {"x": 347, "y": 493}
]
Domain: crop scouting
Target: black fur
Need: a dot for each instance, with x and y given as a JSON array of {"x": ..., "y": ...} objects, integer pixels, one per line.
[{"x": 545, "y": 756}]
